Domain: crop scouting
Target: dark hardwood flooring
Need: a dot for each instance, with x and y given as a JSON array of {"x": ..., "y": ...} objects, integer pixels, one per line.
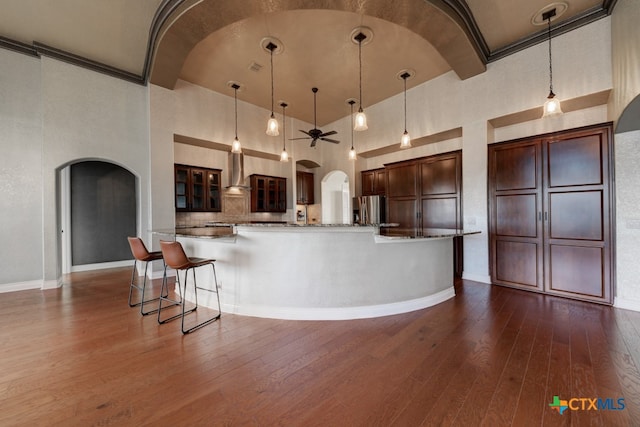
[{"x": 492, "y": 356}]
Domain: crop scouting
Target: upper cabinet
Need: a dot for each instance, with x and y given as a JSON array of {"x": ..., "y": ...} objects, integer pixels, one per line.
[
  {"x": 374, "y": 182},
  {"x": 268, "y": 193},
  {"x": 304, "y": 188},
  {"x": 197, "y": 189}
]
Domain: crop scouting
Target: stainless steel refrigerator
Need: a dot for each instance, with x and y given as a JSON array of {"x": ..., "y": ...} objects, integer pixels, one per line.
[{"x": 369, "y": 210}]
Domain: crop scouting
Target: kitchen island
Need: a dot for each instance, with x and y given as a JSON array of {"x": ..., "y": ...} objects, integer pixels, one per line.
[{"x": 322, "y": 272}]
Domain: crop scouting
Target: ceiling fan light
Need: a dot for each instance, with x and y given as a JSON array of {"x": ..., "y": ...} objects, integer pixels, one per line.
[
  {"x": 552, "y": 106},
  {"x": 361, "y": 121},
  {"x": 405, "y": 141},
  {"x": 235, "y": 146},
  {"x": 272, "y": 126}
]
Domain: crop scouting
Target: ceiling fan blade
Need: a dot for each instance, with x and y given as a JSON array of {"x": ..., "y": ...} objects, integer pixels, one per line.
[
  {"x": 313, "y": 143},
  {"x": 331, "y": 132},
  {"x": 330, "y": 140},
  {"x": 295, "y": 139},
  {"x": 305, "y": 132}
]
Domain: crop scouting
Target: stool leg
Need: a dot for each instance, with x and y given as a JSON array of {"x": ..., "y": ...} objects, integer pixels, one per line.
[
  {"x": 164, "y": 297},
  {"x": 132, "y": 284},
  {"x": 195, "y": 290}
]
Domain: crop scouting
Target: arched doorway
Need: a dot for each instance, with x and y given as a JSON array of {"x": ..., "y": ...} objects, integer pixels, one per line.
[
  {"x": 336, "y": 198},
  {"x": 98, "y": 211}
]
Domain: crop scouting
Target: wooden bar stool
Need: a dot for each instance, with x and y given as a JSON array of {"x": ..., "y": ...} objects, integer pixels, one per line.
[
  {"x": 140, "y": 253},
  {"x": 175, "y": 258}
]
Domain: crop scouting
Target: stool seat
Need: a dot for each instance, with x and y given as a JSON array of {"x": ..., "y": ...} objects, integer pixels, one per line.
[{"x": 175, "y": 257}]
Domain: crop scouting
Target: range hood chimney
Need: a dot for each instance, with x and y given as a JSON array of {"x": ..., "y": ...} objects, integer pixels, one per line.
[{"x": 236, "y": 168}]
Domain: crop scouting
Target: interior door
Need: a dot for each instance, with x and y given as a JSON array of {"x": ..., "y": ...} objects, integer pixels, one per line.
[
  {"x": 576, "y": 197},
  {"x": 516, "y": 216}
]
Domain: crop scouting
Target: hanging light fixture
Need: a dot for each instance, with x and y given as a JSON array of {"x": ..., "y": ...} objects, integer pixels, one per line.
[
  {"x": 284, "y": 156},
  {"x": 272, "y": 124},
  {"x": 361, "y": 119},
  {"x": 235, "y": 145},
  {"x": 352, "y": 152},
  {"x": 552, "y": 105},
  {"x": 405, "y": 141}
]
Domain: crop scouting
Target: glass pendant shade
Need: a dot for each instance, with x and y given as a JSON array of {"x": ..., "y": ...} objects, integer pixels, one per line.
[
  {"x": 361, "y": 121},
  {"x": 552, "y": 106},
  {"x": 405, "y": 141},
  {"x": 272, "y": 126},
  {"x": 235, "y": 146},
  {"x": 352, "y": 154},
  {"x": 284, "y": 156}
]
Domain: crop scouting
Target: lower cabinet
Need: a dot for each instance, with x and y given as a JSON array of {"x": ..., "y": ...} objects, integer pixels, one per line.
[
  {"x": 550, "y": 211},
  {"x": 268, "y": 193}
]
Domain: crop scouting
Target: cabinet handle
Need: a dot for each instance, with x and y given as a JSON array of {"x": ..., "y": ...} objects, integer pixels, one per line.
[
  {"x": 545, "y": 216},
  {"x": 539, "y": 216}
]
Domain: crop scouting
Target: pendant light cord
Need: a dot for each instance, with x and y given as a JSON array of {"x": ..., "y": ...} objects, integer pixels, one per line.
[
  {"x": 360, "y": 68},
  {"x": 405, "y": 103},
  {"x": 235, "y": 96},
  {"x": 271, "y": 82},
  {"x": 284, "y": 129},
  {"x": 351, "y": 103},
  {"x": 550, "y": 66}
]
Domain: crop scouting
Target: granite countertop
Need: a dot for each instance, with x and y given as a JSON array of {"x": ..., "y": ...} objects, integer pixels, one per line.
[
  {"x": 290, "y": 224},
  {"x": 430, "y": 233}
]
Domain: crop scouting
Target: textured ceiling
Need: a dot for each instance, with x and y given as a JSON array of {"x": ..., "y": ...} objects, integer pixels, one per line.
[{"x": 210, "y": 42}]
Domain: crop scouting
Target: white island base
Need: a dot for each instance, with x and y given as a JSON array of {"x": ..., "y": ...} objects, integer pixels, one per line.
[{"x": 323, "y": 273}]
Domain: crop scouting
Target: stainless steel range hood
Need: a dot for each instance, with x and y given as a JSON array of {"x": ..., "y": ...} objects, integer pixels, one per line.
[{"x": 236, "y": 171}]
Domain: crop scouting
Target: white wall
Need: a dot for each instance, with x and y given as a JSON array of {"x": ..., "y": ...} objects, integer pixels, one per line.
[
  {"x": 54, "y": 114},
  {"x": 20, "y": 169}
]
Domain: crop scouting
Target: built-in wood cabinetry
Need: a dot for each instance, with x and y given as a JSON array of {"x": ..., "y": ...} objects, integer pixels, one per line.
[
  {"x": 426, "y": 193},
  {"x": 550, "y": 208},
  {"x": 304, "y": 188},
  {"x": 197, "y": 189},
  {"x": 374, "y": 182},
  {"x": 268, "y": 193}
]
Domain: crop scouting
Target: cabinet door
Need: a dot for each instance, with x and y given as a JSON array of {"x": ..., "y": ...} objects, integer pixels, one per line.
[
  {"x": 515, "y": 190},
  {"x": 404, "y": 213},
  {"x": 304, "y": 188},
  {"x": 380, "y": 182},
  {"x": 577, "y": 249},
  {"x": 198, "y": 189},
  {"x": 181, "y": 188},
  {"x": 368, "y": 180},
  {"x": 258, "y": 194},
  {"x": 213, "y": 195},
  {"x": 402, "y": 180},
  {"x": 441, "y": 186},
  {"x": 282, "y": 194}
]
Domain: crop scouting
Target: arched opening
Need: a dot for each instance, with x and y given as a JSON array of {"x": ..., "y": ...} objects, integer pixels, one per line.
[
  {"x": 336, "y": 198},
  {"x": 98, "y": 210}
]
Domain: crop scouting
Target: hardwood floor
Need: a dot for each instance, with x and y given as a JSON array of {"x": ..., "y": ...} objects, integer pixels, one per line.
[{"x": 491, "y": 356}]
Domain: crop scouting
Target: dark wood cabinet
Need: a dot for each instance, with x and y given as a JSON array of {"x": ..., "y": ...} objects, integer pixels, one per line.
[
  {"x": 433, "y": 185},
  {"x": 374, "y": 182},
  {"x": 197, "y": 189},
  {"x": 268, "y": 193},
  {"x": 304, "y": 188},
  {"x": 550, "y": 214}
]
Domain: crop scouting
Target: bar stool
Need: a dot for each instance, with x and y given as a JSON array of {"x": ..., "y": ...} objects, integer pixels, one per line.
[
  {"x": 175, "y": 258},
  {"x": 140, "y": 253}
]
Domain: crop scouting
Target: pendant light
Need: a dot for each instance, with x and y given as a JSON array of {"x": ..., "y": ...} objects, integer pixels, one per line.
[
  {"x": 352, "y": 152},
  {"x": 272, "y": 124},
  {"x": 405, "y": 141},
  {"x": 552, "y": 105},
  {"x": 284, "y": 156},
  {"x": 235, "y": 145},
  {"x": 361, "y": 119}
]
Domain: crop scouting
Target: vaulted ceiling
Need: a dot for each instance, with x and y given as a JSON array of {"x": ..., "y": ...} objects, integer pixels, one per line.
[{"x": 213, "y": 42}]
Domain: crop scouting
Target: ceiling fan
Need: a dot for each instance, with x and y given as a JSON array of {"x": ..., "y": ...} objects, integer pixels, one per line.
[{"x": 316, "y": 134}]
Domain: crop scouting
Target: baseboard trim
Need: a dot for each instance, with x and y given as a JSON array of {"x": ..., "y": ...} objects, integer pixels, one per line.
[
  {"x": 626, "y": 304},
  {"x": 101, "y": 266},
  {"x": 476, "y": 277},
  {"x": 340, "y": 313},
  {"x": 21, "y": 286}
]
